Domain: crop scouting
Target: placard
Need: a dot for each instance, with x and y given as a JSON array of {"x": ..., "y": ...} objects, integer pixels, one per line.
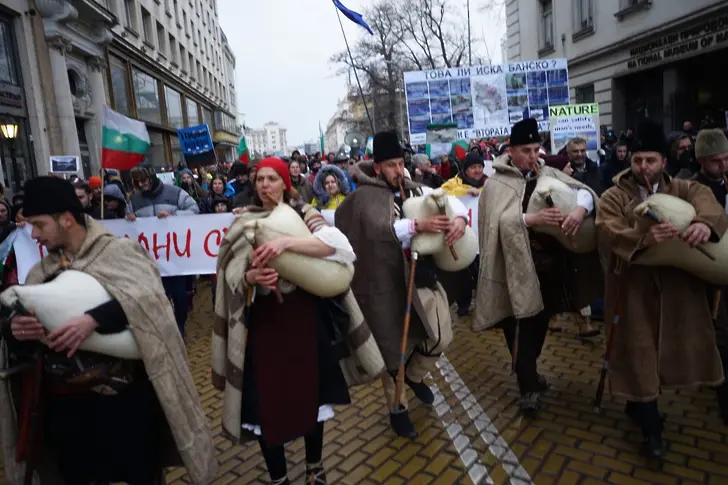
[
  {"x": 196, "y": 144},
  {"x": 484, "y": 101},
  {"x": 65, "y": 164},
  {"x": 575, "y": 121}
]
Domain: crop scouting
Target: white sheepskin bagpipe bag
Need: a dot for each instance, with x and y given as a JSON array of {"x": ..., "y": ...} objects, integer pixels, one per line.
[
  {"x": 425, "y": 244},
  {"x": 676, "y": 252},
  {"x": 564, "y": 198},
  {"x": 71, "y": 294},
  {"x": 318, "y": 276}
]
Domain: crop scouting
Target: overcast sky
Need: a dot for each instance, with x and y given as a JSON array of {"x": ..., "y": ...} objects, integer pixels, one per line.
[{"x": 283, "y": 49}]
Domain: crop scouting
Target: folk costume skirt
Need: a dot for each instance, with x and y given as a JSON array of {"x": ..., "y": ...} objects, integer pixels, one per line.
[{"x": 290, "y": 370}]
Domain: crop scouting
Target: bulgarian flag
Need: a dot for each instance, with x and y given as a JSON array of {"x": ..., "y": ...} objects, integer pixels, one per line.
[
  {"x": 370, "y": 148},
  {"x": 460, "y": 147},
  {"x": 243, "y": 153},
  {"x": 124, "y": 141},
  {"x": 321, "y": 139}
]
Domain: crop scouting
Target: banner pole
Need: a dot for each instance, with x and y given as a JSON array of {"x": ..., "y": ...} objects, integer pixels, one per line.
[{"x": 356, "y": 74}]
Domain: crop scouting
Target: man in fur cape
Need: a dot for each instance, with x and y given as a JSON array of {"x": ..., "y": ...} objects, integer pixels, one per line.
[
  {"x": 371, "y": 218},
  {"x": 523, "y": 278},
  {"x": 96, "y": 431},
  {"x": 665, "y": 337}
]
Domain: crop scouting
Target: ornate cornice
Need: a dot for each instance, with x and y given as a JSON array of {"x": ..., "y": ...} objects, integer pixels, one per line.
[
  {"x": 57, "y": 10},
  {"x": 97, "y": 64},
  {"x": 63, "y": 45}
]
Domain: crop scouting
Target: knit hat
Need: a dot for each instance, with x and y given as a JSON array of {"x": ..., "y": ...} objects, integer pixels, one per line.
[
  {"x": 48, "y": 196},
  {"x": 279, "y": 166},
  {"x": 649, "y": 137},
  {"x": 95, "y": 182},
  {"x": 473, "y": 158},
  {"x": 710, "y": 142}
]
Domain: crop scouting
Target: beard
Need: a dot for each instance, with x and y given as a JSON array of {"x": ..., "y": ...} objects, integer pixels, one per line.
[{"x": 393, "y": 184}]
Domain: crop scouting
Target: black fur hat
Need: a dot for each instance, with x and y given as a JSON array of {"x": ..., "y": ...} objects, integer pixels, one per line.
[
  {"x": 387, "y": 146},
  {"x": 49, "y": 196},
  {"x": 525, "y": 132},
  {"x": 649, "y": 137}
]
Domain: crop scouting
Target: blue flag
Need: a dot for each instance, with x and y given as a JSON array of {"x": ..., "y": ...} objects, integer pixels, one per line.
[{"x": 353, "y": 16}]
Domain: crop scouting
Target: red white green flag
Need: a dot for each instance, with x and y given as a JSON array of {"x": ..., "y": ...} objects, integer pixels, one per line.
[
  {"x": 243, "y": 152},
  {"x": 460, "y": 147},
  {"x": 124, "y": 141}
]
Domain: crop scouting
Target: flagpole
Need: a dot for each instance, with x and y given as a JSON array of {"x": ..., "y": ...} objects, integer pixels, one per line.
[{"x": 356, "y": 75}]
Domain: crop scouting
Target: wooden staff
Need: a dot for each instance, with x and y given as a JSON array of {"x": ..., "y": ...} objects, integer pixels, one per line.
[
  {"x": 405, "y": 332},
  {"x": 101, "y": 173},
  {"x": 655, "y": 218},
  {"x": 610, "y": 340}
]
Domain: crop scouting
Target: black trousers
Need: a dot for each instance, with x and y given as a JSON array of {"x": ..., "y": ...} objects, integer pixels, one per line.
[
  {"x": 646, "y": 415},
  {"x": 531, "y": 337}
]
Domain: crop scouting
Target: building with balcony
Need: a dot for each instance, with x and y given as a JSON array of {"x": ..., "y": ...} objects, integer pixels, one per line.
[
  {"x": 636, "y": 58},
  {"x": 164, "y": 62},
  {"x": 270, "y": 140}
]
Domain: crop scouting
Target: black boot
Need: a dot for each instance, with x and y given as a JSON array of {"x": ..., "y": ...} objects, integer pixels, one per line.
[
  {"x": 422, "y": 391},
  {"x": 402, "y": 424},
  {"x": 722, "y": 393},
  {"x": 529, "y": 404},
  {"x": 315, "y": 476},
  {"x": 654, "y": 447}
]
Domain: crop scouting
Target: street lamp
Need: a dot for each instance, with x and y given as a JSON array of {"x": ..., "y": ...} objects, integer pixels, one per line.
[{"x": 9, "y": 129}]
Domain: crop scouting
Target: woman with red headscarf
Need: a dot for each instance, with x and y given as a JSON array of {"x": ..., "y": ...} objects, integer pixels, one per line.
[{"x": 282, "y": 376}]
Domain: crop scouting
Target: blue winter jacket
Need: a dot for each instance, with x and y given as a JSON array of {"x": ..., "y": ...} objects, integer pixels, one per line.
[{"x": 164, "y": 197}]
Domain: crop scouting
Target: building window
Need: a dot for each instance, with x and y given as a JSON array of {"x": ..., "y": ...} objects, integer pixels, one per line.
[
  {"x": 130, "y": 15},
  {"x": 191, "y": 66},
  {"x": 182, "y": 58},
  {"x": 155, "y": 155},
  {"x": 8, "y": 72},
  {"x": 193, "y": 118},
  {"x": 148, "y": 27},
  {"x": 161, "y": 40},
  {"x": 176, "y": 10},
  {"x": 546, "y": 26},
  {"x": 119, "y": 85},
  {"x": 173, "y": 55},
  {"x": 583, "y": 15},
  {"x": 584, "y": 94},
  {"x": 207, "y": 117},
  {"x": 146, "y": 93},
  {"x": 177, "y": 155},
  {"x": 174, "y": 108},
  {"x": 184, "y": 22}
]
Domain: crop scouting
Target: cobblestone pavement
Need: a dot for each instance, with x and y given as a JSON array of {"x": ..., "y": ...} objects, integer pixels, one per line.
[{"x": 474, "y": 435}]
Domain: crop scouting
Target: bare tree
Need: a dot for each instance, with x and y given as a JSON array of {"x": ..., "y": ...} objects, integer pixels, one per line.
[{"x": 435, "y": 35}]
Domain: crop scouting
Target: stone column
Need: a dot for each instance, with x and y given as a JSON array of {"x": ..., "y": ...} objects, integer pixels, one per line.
[
  {"x": 59, "y": 47},
  {"x": 97, "y": 69}
]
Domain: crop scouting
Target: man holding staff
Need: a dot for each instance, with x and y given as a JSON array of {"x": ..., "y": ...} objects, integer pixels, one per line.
[
  {"x": 524, "y": 276},
  {"x": 371, "y": 218},
  {"x": 711, "y": 151},
  {"x": 665, "y": 336}
]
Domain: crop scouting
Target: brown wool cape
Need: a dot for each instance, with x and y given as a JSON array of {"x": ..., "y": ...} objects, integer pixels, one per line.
[
  {"x": 665, "y": 337},
  {"x": 132, "y": 278},
  {"x": 363, "y": 364},
  {"x": 366, "y": 217}
]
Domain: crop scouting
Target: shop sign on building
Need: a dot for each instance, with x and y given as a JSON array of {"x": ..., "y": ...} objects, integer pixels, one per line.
[{"x": 685, "y": 43}]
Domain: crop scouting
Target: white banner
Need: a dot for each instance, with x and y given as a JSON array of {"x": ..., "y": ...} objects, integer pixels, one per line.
[
  {"x": 575, "y": 121},
  {"x": 471, "y": 205},
  {"x": 485, "y": 101},
  {"x": 182, "y": 245}
]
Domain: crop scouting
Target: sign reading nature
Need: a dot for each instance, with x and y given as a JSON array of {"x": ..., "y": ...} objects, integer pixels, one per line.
[{"x": 484, "y": 101}]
